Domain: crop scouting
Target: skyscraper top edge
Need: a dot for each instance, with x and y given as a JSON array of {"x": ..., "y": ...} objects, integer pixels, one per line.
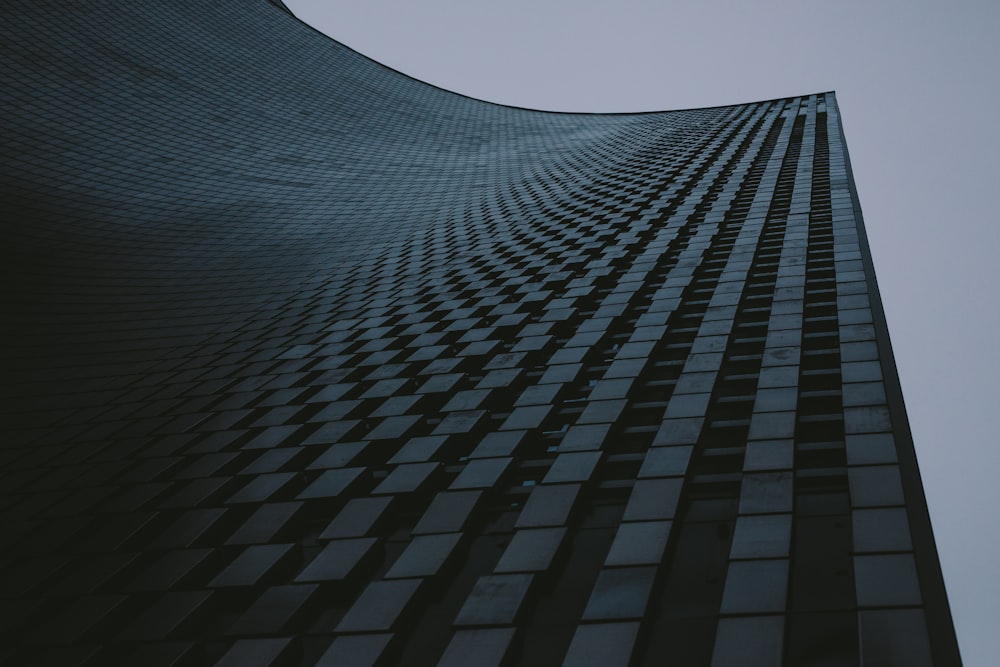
[{"x": 283, "y": 7}]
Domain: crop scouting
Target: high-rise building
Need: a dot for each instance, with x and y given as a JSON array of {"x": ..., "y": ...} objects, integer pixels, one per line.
[{"x": 310, "y": 363}]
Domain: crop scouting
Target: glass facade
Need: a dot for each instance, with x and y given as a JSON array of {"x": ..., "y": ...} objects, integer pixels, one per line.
[{"x": 311, "y": 363}]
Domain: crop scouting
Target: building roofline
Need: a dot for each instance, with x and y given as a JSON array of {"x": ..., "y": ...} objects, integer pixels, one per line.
[{"x": 283, "y": 7}]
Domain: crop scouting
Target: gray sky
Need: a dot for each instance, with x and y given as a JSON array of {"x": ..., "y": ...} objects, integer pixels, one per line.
[{"x": 917, "y": 87}]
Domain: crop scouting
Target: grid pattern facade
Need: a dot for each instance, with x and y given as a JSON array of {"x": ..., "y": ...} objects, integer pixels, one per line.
[{"x": 310, "y": 363}]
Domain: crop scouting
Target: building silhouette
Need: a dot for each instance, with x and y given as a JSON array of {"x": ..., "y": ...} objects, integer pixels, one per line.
[{"x": 311, "y": 363}]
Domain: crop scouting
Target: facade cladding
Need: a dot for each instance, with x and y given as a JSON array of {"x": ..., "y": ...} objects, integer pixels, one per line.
[{"x": 310, "y": 363}]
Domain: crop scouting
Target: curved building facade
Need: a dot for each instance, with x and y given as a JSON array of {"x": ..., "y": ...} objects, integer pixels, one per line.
[{"x": 310, "y": 363}]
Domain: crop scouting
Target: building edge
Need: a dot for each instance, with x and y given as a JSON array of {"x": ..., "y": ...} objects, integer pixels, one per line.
[
  {"x": 941, "y": 629},
  {"x": 283, "y": 7}
]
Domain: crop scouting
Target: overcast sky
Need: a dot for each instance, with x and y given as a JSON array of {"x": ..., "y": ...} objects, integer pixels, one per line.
[{"x": 917, "y": 86}]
